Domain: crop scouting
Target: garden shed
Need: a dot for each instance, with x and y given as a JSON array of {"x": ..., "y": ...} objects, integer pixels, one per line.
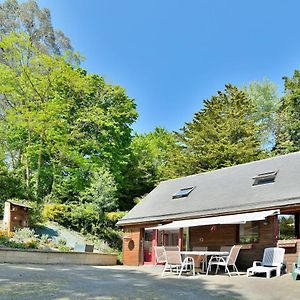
[{"x": 16, "y": 215}]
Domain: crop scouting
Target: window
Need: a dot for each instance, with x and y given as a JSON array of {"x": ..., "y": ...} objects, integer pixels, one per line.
[
  {"x": 183, "y": 192},
  {"x": 287, "y": 228},
  {"x": 248, "y": 232},
  {"x": 264, "y": 178}
]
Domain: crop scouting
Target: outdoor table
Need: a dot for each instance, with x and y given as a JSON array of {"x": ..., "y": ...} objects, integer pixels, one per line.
[{"x": 205, "y": 253}]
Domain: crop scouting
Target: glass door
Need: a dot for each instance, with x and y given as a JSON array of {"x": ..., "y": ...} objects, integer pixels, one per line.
[
  {"x": 171, "y": 238},
  {"x": 148, "y": 246}
]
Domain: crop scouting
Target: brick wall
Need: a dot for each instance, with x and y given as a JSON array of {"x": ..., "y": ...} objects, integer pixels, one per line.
[{"x": 227, "y": 235}]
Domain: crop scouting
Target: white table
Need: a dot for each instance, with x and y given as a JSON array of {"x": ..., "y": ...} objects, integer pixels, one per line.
[{"x": 205, "y": 253}]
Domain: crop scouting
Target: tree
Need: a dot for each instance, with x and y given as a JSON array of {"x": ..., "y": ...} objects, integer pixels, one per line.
[
  {"x": 27, "y": 17},
  {"x": 288, "y": 117},
  {"x": 222, "y": 134},
  {"x": 150, "y": 162},
  {"x": 59, "y": 124},
  {"x": 101, "y": 192},
  {"x": 30, "y": 104},
  {"x": 266, "y": 100}
]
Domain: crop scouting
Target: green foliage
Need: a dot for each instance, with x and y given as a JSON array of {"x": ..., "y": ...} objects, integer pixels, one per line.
[
  {"x": 63, "y": 248},
  {"x": 11, "y": 186},
  {"x": 266, "y": 100},
  {"x": 288, "y": 130},
  {"x": 222, "y": 134},
  {"x": 152, "y": 156},
  {"x": 101, "y": 192},
  {"x": 114, "y": 216},
  {"x": 61, "y": 241},
  {"x": 84, "y": 217},
  {"x": 44, "y": 238},
  {"x": 60, "y": 125},
  {"x": 36, "y": 22},
  {"x": 287, "y": 227},
  {"x": 24, "y": 238},
  {"x": 57, "y": 212},
  {"x": 35, "y": 213},
  {"x": 23, "y": 234}
]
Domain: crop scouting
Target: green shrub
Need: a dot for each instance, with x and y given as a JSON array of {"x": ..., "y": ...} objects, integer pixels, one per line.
[
  {"x": 23, "y": 234},
  {"x": 63, "y": 248},
  {"x": 112, "y": 218},
  {"x": 57, "y": 212},
  {"x": 61, "y": 241},
  {"x": 35, "y": 214},
  {"x": 44, "y": 238}
]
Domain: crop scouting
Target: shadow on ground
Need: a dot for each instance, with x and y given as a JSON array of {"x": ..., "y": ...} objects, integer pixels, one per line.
[{"x": 86, "y": 282}]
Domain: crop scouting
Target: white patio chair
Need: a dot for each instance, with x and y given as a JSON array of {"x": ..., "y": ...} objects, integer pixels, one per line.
[
  {"x": 272, "y": 260},
  {"x": 225, "y": 249},
  {"x": 160, "y": 256},
  {"x": 225, "y": 262},
  {"x": 174, "y": 262}
]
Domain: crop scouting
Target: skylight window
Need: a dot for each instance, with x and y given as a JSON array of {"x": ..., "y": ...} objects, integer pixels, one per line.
[
  {"x": 264, "y": 178},
  {"x": 183, "y": 192}
]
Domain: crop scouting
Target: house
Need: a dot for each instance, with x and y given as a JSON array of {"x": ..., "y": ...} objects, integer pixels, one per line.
[
  {"x": 15, "y": 215},
  {"x": 245, "y": 204}
]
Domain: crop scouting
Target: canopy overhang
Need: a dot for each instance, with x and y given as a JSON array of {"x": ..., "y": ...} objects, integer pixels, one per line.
[{"x": 228, "y": 219}]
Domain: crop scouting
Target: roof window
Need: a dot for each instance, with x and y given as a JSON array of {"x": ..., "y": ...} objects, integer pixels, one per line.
[
  {"x": 183, "y": 192},
  {"x": 264, "y": 178}
]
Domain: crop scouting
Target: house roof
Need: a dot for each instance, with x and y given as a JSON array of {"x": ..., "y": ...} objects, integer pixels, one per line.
[{"x": 227, "y": 190}]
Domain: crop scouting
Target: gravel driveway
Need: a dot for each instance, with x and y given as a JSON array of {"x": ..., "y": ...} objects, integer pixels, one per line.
[{"x": 87, "y": 282}]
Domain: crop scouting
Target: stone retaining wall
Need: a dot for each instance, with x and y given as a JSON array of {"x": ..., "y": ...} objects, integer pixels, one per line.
[{"x": 41, "y": 257}]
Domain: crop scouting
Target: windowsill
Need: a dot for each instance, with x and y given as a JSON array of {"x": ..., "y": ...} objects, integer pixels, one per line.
[{"x": 287, "y": 243}]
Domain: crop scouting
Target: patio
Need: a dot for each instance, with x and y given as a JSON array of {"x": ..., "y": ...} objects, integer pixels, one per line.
[{"x": 118, "y": 282}]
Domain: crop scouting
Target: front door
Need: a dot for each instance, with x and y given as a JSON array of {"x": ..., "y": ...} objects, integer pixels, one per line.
[{"x": 148, "y": 246}]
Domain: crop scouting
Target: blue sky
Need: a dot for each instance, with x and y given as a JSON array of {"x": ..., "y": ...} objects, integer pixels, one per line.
[{"x": 170, "y": 55}]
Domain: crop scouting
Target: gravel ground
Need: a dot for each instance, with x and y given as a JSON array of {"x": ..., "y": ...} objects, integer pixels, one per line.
[{"x": 118, "y": 282}]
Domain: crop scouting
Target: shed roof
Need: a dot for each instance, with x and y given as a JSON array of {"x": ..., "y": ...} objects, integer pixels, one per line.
[
  {"x": 227, "y": 190},
  {"x": 18, "y": 204}
]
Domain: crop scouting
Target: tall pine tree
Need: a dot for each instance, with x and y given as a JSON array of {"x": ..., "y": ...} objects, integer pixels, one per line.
[
  {"x": 288, "y": 120},
  {"x": 222, "y": 134}
]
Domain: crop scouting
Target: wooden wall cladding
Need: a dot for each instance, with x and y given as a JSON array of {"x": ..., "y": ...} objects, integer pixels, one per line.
[
  {"x": 226, "y": 235},
  {"x": 132, "y": 246}
]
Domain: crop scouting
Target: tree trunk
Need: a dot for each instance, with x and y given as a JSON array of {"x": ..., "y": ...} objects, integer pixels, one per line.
[{"x": 39, "y": 169}]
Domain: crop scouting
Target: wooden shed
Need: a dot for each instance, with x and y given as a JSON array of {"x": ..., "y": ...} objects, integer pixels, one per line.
[{"x": 16, "y": 215}]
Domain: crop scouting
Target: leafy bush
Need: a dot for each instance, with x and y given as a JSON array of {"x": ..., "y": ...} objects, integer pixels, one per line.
[
  {"x": 63, "y": 248},
  {"x": 113, "y": 217},
  {"x": 61, "y": 241},
  {"x": 7, "y": 241},
  {"x": 102, "y": 246},
  {"x": 102, "y": 191},
  {"x": 25, "y": 238},
  {"x": 35, "y": 214},
  {"x": 57, "y": 212},
  {"x": 4, "y": 237},
  {"x": 44, "y": 238},
  {"x": 84, "y": 217},
  {"x": 24, "y": 234}
]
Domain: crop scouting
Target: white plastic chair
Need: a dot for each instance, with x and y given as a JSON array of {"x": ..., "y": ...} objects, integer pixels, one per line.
[
  {"x": 225, "y": 261},
  {"x": 272, "y": 260},
  {"x": 174, "y": 261},
  {"x": 160, "y": 256}
]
